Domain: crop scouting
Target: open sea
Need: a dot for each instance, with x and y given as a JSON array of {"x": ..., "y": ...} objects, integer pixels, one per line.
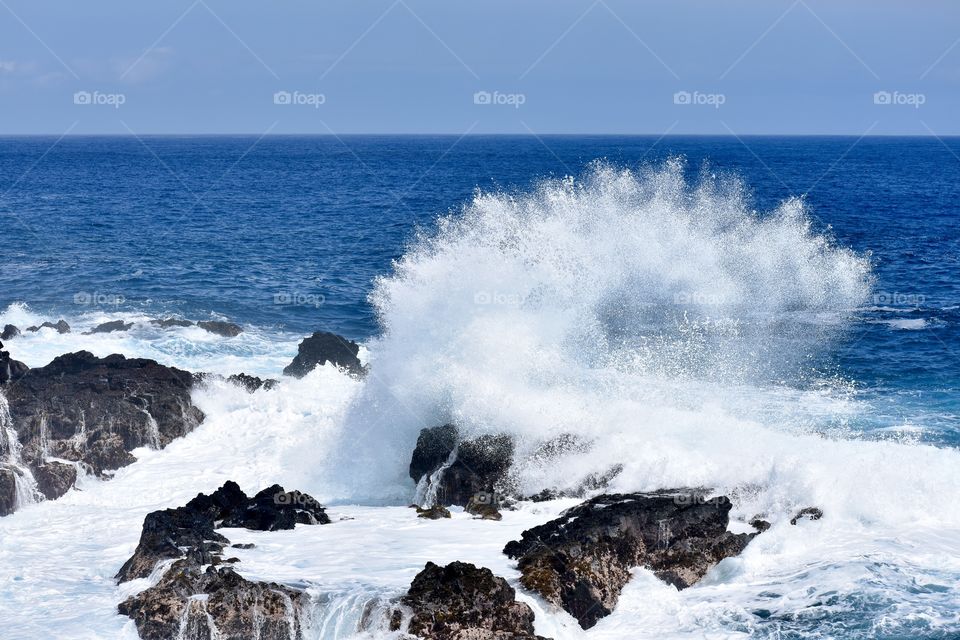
[{"x": 774, "y": 317}]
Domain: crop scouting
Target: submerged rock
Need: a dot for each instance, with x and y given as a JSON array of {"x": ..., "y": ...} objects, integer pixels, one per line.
[
  {"x": 323, "y": 347},
  {"x": 463, "y": 468},
  {"x": 225, "y": 329},
  {"x": 582, "y": 560},
  {"x": 435, "y": 512},
  {"x": 166, "y": 323},
  {"x": 9, "y": 331},
  {"x": 109, "y": 327},
  {"x": 463, "y": 602},
  {"x": 807, "y": 513}
]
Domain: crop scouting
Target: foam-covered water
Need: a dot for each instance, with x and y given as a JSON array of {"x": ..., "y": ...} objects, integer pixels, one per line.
[{"x": 678, "y": 334}]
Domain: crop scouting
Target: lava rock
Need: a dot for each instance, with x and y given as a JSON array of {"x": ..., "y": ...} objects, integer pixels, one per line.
[
  {"x": 54, "y": 478},
  {"x": 463, "y": 602},
  {"x": 435, "y": 512},
  {"x": 61, "y": 326},
  {"x": 323, "y": 347},
  {"x": 251, "y": 383},
  {"x": 166, "y": 323},
  {"x": 189, "y": 530},
  {"x": 8, "y": 490},
  {"x": 480, "y": 466},
  {"x": 225, "y": 329},
  {"x": 109, "y": 327},
  {"x": 10, "y": 369},
  {"x": 582, "y": 560},
  {"x": 95, "y": 411},
  {"x": 484, "y": 507},
  {"x": 189, "y": 602},
  {"x": 9, "y": 331},
  {"x": 759, "y": 524},
  {"x": 808, "y": 513}
]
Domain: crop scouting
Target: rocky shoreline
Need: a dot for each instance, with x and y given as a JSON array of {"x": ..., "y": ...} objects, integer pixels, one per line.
[{"x": 85, "y": 415}]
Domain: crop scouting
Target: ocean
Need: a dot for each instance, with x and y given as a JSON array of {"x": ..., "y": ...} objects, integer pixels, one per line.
[{"x": 774, "y": 317}]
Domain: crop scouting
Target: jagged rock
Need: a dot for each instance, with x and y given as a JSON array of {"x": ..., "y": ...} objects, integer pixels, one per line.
[
  {"x": 54, "y": 478},
  {"x": 10, "y": 369},
  {"x": 171, "y": 322},
  {"x": 582, "y": 560},
  {"x": 9, "y": 331},
  {"x": 484, "y": 506},
  {"x": 759, "y": 524},
  {"x": 252, "y": 383},
  {"x": 480, "y": 465},
  {"x": 189, "y": 602},
  {"x": 463, "y": 602},
  {"x": 226, "y": 329},
  {"x": 61, "y": 326},
  {"x": 168, "y": 532},
  {"x": 808, "y": 513},
  {"x": 323, "y": 347},
  {"x": 435, "y": 512},
  {"x": 97, "y": 410},
  {"x": 109, "y": 327}
]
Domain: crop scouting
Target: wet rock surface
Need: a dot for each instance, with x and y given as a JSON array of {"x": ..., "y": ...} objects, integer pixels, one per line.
[
  {"x": 252, "y": 383},
  {"x": 479, "y": 467},
  {"x": 463, "y": 602},
  {"x": 323, "y": 347},
  {"x": 60, "y": 325},
  {"x": 166, "y": 323},
  {"x": 95, "y": 411},
  {"x": 199, "y": 598},
  {"x": 9, "y": 331},
  {"x": 225, "y": 329},
  {"x": 582, "y": 560},
  {"x": 10, "y": 369},
  {"x": 807, "y": 513},
  {"x": 110, "y": 327}
]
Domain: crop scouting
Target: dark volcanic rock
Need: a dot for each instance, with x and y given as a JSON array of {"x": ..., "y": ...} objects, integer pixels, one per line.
[
  {"x": 188, "y": 601},
  {"x": 480, "y": 465},
  {"x": 10, "y": 369},
  {"x": 171, "y": 322},
  {"x": 9, "y": 331},
  {"x": 226, "y": 329},
  {"x": 323, "y": 347},
  {"x": 483, "y": 505},
  {"x": 198, "y": 601},
  {"x": 435, "y": 512},
  {"x": 168, "y": 532},
  {"x": 582, "y": 560},
  {"x": 96, "y": 410},
  {"x": 109, "y": 327},
  {"x": 809, "y": 513},
  {"x": 8, "y": 490},
  {"x": 463, "y": 602},
  {"x": 61, "y": 326},
  {"x": 252, "y": 383},
  {"x": 54, "y": 478}
]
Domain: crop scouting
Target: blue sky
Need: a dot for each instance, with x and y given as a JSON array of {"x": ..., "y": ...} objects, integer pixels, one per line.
[{"x": 440, "y": 66}]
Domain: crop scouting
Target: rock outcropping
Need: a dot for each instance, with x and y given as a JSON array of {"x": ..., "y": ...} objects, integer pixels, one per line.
[
  {"x": 199, "y": 597},
  {"x": 582, "y": 560},
  {"x": 92, "y": 412},
  {"x": 323, "y": 347},
  {"x": 459, "y": 470},
  {"x": 463, "y": 602}
]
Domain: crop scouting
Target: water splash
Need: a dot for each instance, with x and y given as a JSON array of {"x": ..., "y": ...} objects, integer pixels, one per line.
[{"x": 25, "y": 485}]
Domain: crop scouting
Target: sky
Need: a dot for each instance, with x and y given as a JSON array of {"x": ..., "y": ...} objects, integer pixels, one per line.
[{"x": 731, "y": 67}]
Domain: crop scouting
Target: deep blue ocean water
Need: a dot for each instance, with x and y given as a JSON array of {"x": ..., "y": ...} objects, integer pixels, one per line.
[{"x": 289, "y": 232}]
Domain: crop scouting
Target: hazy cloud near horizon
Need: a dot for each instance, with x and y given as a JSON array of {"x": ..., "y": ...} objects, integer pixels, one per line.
[{"x": 426, "y": 66}]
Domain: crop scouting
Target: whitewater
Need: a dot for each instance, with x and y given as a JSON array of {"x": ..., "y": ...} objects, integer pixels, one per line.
[{"x": 681, "y": 338}]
